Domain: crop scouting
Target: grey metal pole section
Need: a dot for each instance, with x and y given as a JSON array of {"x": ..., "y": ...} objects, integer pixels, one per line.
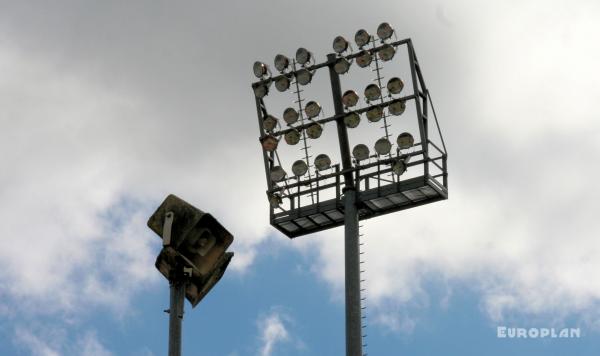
[
  {"x": 351, "y": 245},
  {"x": 176, "y": 315}
]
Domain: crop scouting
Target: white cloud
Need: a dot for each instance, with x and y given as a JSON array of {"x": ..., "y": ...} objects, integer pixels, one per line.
[
  {"x": 273, "y": 331},
  {"x": 520, "y": 225}
]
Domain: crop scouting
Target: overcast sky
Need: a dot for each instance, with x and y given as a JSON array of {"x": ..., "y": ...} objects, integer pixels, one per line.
[{"x": 106, "y": 107}]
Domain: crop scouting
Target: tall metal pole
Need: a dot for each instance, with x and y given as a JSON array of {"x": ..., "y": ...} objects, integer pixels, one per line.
[
  {"x": 176, "y": 315},
  {"x": 351, "y": 245}
]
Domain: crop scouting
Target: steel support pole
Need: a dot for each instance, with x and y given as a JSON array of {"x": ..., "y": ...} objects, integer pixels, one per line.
[
  {"x": 351, "y": 245},
  {"x": 176, "y": 315}
]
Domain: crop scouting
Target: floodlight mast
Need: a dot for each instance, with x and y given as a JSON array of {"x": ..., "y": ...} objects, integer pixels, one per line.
[
  {"x": 366, "y": 193},
  {"x": 351, "y": 244}
]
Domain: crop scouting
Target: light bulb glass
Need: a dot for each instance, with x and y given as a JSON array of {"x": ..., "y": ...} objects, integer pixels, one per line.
[
  {"x": 340, "y": 44},
  {"x": 383, "y": 146},
  {"x": 299, "y": 168},
  {"x": 350, "y": 98},
  {"x": 322, "y": 162},
  {"x": 362, "y": 38},
  {"x": 375, "y": 113},
  {"x": 352, "y": 120},
  {"x": 405, "y": 140},
  {"x": 364, "y": 59},
  {"x": 312, "y": 109},
  {"x": 314, "y": 131},
  {"x": 281, "y": 62},
  {"x": 292, "y": 137},
  {"x": 360, "y": 152},
  {"x": 395, "y": 85},
  {"x": 290, "y": 116}
]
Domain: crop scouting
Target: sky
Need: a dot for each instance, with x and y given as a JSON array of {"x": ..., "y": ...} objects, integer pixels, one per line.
[{"x": 107, "y": 107}]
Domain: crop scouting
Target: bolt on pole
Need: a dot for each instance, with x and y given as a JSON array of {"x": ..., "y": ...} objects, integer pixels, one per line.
[{"x": 351, "y": 245}]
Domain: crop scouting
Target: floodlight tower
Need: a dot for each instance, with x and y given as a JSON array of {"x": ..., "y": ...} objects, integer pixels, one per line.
[
  {"x": 193, "y": 257},
  {"x": 413, "y": 174}
]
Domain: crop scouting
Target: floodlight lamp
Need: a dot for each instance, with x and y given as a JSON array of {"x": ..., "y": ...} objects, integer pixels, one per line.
[
  {"x": 385, "y": 31},
  {"x": 395, "y": 85},
  {"x": 269, "y": 143},
  {"x": 364, "y": 58},
  {"x": 340, "y": 44},
  {"x": 387, "y": 52},
  {"x": 260, "y": 69},
  {"x": 314, "y": 131},
  {"x": 275, "y": 200},
  {"x": 375, "y": 113},
  {"x": 399, "y": 167},
  {"x": 299, "y": 168},
  {"x": 397, "y": 107},
  {"x": 341, "y": 66},
  {"x": 277, "y": 174},
  {"x": 292, "y": 137},
  {"x": 322, "y": 162},
  {"x": 405, "y": 140},
  {"x": 290, "y": 116},
  {"x": 352, "y": 120},
  {"x": 303, "y": 76},
  {"x": 312, "y": 109},
  {"x": 383, "y": 146},
  {"x": 281, "y": 63},
  {"x": 270, "y": 123},
  {"x": 362, "y": 38},
  {"x": 303, "y": 56},
  {"x": 282, "y": 83},
  {"x": 350, "y": 98},
  {"x": 372, "y": 92},
  {"x": 261, "y": 90},
  {"x": 360, "y": 152}
]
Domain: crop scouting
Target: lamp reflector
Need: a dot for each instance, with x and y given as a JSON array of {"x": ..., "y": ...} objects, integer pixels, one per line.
[
  {"x": 340, "y": 44},
  {"x": 372, "y": 92},
  {"x": 292, "y": 137},
  {"x": 399, "y": 167},
  {"x": 397, "y": 107},
  {"x": 277, "y": 174},
  {"x": 282, "y": 83},
  {"x": 299, "y": 168},
  {"x": 261, "y": 90},
  {"x": 375, "y": 113},
  {"x": 312, "y": 109},
  {"x": 362, "y": 38},
  {"x": 290, "y": 116},
  {"x": 269, "y": 143},
  {"x": 395, "y": 85},
  {"x": 314, "y": 131},
  {"x": 405, "y": 140},
  {"x": 303, "y": 56},
  {"x": 385, "y": 31},
  {"x": 360, "y": 152},
  {"x": 322, "y": 162},
  {"x": 341, "y": 66},
  {"x": 260, "y": 69},
  {"x": 281, "y": 62},
  {"x": 352, "y": 120},
  {"x": 350, "y": 98},
  {"x": 275, "y": 200},
  {"x": 303, "y": 76},
  {"x": 383, "y": 146},
  {"x": 364, "y": 58},
  {"x": 270, "y": 123},
  {"x": 387, "y": 52}
]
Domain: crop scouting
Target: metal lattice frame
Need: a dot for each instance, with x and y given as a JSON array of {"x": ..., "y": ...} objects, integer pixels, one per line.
[{"x": 376, "y": 194}]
